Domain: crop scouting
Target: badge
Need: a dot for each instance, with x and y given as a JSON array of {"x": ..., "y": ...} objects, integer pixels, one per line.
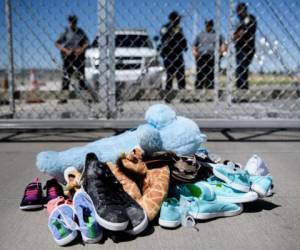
[
  {"x": 247, "y": 20},
  {"x": 163, "y": 30}
]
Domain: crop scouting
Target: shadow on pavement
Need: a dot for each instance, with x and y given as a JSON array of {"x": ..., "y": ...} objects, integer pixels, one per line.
[
  {"x": 118, "y": 237},
  {"x": 259, "y": 205}
]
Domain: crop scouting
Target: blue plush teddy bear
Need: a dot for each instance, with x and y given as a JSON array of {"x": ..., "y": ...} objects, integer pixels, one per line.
[{"x": 163, "y": 131}]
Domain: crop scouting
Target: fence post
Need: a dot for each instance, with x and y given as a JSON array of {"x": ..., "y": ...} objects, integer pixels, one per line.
[
  {"x": 111, "y": 97},
  {"x": 106, "y": 55},
  {"x": 10, "y": 57},
  {"x": 217, "y": 49},
  {"x": 230, "y": 57}
]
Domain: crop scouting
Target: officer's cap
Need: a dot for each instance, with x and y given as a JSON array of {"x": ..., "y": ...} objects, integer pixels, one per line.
[
  {"x": 174, "y": 15},
  {"x": 209, "y": 22},
  {"x": 241, "y": 7},
  {"x": 72, "y": 18}
]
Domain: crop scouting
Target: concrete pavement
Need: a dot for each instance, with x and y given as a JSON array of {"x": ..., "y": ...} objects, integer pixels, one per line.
[{"x": 273, "y": 223}]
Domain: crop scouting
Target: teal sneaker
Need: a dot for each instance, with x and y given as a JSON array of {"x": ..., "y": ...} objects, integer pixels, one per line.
[
  {"x": 203, "y": 191},
  {"x": 204, "y": 210},
  {"x": 234, "y": 177},
  {"x": 225, "y": 193},
  {"x": 261, "y": 184},
  {"x": 170, "y": 213}
]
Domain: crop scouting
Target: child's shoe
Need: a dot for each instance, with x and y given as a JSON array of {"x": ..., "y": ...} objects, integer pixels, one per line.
[
  {"x": 33, "y": 196},
  {"x": 170, "y": 214},
  {"x": 202, "y": 191},
  {"x": 225, "y": 193},
  {"x": 61, "y": 224},
  {"x": 261, "y": 184},
  {"x": 234, "y": 177},
  {"x": 56, "y": 202},
  {"x": 84, "y": 209},
  {"x": 53, "y": 190},
  {"x": 204, "y": 210}
]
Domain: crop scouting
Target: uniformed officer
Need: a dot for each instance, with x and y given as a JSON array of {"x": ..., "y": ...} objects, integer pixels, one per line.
[
  {"x": 173, "y": 44},
  {"x": 72, "y": 44},
  {"x": 244, "y": 38}
]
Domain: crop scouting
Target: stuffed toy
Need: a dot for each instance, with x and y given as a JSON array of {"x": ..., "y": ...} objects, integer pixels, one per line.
[
  {"x": 163, "y": 131},
  {"x": 72, "y": 177},
  {"x": 148, "y": 187}
]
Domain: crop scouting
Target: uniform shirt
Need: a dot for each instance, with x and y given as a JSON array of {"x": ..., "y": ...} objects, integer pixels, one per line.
[
  {"x": 72, "y": 39},
  {"x": 173, "y": 42},
  {"x": 247, "y": 41},
  {"x": 205, "y": 42}
]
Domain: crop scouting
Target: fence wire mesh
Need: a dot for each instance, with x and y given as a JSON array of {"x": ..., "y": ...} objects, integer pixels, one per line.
[{"x": 112, "y": 59}]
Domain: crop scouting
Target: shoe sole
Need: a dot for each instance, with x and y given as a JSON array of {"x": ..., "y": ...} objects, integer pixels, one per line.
[
  {"x": 85, "y": 238},
  {"x": 113, "y": 226},
  {"x": 140, "y": 227},
  {"x": 235, "y": 186},
  {"x": 168, "y": 223},
  {"x": 206, "y": 216},
  {"x": 270, "y": 192},
  {"x": 65, "y": 241},
  {"x": 92, "y": 240},
  {"x": 31, "y": 207},
  {"x": 247, "y": 197}
]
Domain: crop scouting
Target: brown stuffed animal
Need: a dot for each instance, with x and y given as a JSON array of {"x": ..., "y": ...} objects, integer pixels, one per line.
[
  {"x": 72, "y": 177},
  {"x": 149, "y": 187}
]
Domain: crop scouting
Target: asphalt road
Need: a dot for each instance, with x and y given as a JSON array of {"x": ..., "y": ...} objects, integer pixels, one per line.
[{"x": 273, "y": 223}]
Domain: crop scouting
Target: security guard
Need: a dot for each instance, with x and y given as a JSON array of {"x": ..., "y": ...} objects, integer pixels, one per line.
[
  {"x": 244, "y": 38},
  {"x": 173, "y": 44},
  {"x": 72, "y": 44}
]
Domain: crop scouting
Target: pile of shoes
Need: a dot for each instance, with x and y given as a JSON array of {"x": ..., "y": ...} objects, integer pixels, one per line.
[
  {"x": 126, "y": 196},
  {"x": 222, "y": 190},
  {"x": 99, "y": 202}
]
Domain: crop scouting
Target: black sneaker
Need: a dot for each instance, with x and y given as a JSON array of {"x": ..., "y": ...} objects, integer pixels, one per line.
[
  {"x": 97, "y": 182},
  {"x": 53, "y": 190},
  {"x": 138, "y": 220},
  {"x": 33, "y": 196}
]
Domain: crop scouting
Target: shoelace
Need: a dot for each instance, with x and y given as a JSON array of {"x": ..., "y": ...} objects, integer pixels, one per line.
[{"x": 186, "y": 219}]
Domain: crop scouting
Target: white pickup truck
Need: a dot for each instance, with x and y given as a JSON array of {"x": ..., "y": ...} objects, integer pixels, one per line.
[{"x": 136, "y": 61}]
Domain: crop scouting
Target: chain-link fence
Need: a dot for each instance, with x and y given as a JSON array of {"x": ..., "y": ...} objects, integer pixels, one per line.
[{"x": 112, "y": 59}]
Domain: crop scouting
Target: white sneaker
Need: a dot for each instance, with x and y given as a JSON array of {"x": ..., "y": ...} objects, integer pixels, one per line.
[{"x": 256, "y": 166}]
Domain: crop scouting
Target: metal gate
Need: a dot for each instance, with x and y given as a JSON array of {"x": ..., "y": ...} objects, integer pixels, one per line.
[{"x": 220, "y": 60}]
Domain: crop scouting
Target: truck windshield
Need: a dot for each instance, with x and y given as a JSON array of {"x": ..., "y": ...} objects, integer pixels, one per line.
[
  {"x": 133, "y": 41},
  {"x": 129, "y": 41}
]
